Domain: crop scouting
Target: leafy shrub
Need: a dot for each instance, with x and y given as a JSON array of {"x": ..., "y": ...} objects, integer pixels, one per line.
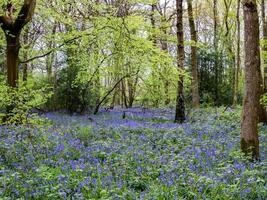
[
  {"x": 17, "y": 104},
  {"x": 72, "y": 95}
]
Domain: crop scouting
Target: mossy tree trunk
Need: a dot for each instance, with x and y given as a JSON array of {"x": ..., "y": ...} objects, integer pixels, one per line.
[{"x": 250, "y": 116}]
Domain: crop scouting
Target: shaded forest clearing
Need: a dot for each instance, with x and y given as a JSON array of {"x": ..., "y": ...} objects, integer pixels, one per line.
[{"x": 131, "y": 154}]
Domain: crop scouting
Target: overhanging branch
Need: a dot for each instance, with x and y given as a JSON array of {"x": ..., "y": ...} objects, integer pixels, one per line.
[{"x": 52, "y": 50}]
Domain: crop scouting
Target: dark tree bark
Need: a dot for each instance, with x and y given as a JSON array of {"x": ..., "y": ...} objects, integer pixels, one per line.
[
  {"x": 12, "y": 29},
  {"x": 238, "y": 59},
  {"x": 250, "y": 116},
  {"x": 180, "y": 102},
  {"x": 194, "y": 64}
]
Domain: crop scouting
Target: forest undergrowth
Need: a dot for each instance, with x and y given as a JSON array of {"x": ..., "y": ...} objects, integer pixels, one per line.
[{"x": 131, "y": 154}]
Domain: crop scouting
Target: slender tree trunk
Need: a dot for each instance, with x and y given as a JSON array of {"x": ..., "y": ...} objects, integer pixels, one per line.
[
  {"x": 50, "y": 58},
  {"x": 180, "y": 101},
  {"x": 97, "y": 82},
  {"x": 238, "y": 59},
  {"x": 215, "y": 43},
  {"x": 155, "y": 42},
  {"x": 250, "y": 116},
  {"x": 229, "y": 43},
  {"x": 25, "y": 56},
  {"x": 262, "y": 110},
  {"x": 123, "y": 94},
  {"x": 132, "y": 86},
  {"x": 130, "y": 92},
  {"x": 194, "y": 64},
  {"x": 264, "y": 22},
  {"x": 164, "y": 47}
]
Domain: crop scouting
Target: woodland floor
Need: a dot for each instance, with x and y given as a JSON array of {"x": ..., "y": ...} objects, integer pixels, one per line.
[{"x": 139, "y": 155}]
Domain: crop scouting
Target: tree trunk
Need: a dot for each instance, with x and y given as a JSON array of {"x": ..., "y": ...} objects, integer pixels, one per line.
[
  {"x": 25, "y": 55},
  {"x": 238, "y": 60},
  {"x": 264, "y": 49},
  {"x": 215, "y": 43},
  {"x": 180, "y": 102},
  {"x": 12, "y": 55},
  {"x": 50, "y": 58},
  {"x": 194, "y": 64},
  {"x": 123, "y": 94},
  {"x": 155, "y": 86},
  {"x": 250, "y": 116},
  {"x": 132, "y": 86},
  {"x": 263, "y": 111},
  {"x": 12, "y": 29},
  {"x": 164, "y": 47},
  {"x": 229, "y": 43},
  {"x": 264, "y": 22}
]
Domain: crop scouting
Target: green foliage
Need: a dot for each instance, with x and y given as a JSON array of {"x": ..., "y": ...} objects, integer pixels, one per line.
[
  {"x": 216, "y": 83},
  {"x": 84, "y": 134},
  {"x": 70, "y": 96},
  {"x": 264, "y": 100},
  {"x": 17, "y": 104}
]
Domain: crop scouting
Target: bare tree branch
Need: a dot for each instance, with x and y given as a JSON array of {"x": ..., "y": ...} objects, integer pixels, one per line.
[{"x": 111, "y": 90}]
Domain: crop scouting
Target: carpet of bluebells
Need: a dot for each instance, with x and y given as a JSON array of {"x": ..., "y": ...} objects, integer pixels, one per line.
[{"x": 131, "y": 154}]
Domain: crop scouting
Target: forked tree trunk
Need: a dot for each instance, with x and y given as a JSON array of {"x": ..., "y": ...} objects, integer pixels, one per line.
[
  {"x": 250, "y": 116},
  {"x": 194, "y": 65},
  {"x": 180, "y": 102},
  {"x": 12, "y": 29}
]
